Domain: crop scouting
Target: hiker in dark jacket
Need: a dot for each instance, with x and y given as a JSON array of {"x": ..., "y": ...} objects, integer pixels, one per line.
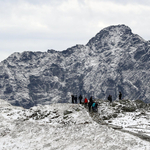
[
  {"x": 72, "y": 98},
  {"x": 80, "y": 98},
  {"x": 90, "y": 103},
  {"x": 75, "y": 98},
  {"x": 91, "y": 99},
  {"x": 120, "y": 95},
  {"x": 110, "y": 98}
]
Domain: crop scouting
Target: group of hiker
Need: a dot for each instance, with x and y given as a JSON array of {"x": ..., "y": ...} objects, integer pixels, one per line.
[
  {"x": 110, "y": 97},
  {"x": 88, "y": 103},
  {"x": 75, "y": 99},
  {"x": 91, "y": 103}
]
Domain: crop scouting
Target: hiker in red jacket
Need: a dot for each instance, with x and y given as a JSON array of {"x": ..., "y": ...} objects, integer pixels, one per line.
[{"x": 85, "y": 102}]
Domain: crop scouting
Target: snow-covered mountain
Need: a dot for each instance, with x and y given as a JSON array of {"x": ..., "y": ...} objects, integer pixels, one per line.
[
  {"x": 112, "y": 61},
  {"x": 60, "y": 127}
]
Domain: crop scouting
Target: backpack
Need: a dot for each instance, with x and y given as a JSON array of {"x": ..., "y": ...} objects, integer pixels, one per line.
[{"x": 93, "y": 105}]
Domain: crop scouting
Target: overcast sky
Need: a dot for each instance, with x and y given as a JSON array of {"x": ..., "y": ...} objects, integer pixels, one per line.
[{"x": 38, "y": 25}]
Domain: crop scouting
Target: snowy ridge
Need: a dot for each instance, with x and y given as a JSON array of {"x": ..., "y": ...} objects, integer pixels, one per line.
[
  {"x": 113, "y": 60},
  {"x": 126, "y": 115},
  {"x": 61, "y": 127}
]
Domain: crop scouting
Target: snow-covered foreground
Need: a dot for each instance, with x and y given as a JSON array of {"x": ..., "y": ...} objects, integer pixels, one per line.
[
  {"x": 132, "y": 116},
  {"x": 59, "y": 127}
]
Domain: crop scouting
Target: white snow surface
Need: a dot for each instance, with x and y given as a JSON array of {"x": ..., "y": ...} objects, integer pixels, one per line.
[{"x": 59, "y": 127}]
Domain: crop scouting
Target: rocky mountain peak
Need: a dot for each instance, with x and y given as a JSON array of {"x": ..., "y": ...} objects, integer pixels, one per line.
[
  {"x": 110, "y": 37},
  {"x": 114, "y": 60}
]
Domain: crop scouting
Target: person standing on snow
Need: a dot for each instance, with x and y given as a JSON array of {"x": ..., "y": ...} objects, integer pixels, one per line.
[
  {"x": 110, "y": 98},
  {"x": 91, "y": 99},
  {"x": 80, "y": 98},
  {"x": 85, "y": 102},
  {"x": 72, "y": 98},
  {"x": 120, "y": 95},
  {"x": 90, "y": 103},
  {"x": 93, "y": 106},
  {"x": 75, "y": 98}
]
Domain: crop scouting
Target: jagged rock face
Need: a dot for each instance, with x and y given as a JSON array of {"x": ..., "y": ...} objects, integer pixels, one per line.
[{"x": 112, "y": 61}]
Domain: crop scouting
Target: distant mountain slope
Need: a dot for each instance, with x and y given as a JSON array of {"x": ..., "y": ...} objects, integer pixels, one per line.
[{"x": 112, "y": 61}]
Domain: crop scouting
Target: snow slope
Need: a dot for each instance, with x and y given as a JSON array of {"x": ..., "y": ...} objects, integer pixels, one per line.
[
  {"x": 125, "y": 115},
  {"x": 59, "y": 127}
]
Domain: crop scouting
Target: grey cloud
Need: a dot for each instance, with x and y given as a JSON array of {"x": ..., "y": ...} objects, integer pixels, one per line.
[{"x": 58, "y": 24}]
